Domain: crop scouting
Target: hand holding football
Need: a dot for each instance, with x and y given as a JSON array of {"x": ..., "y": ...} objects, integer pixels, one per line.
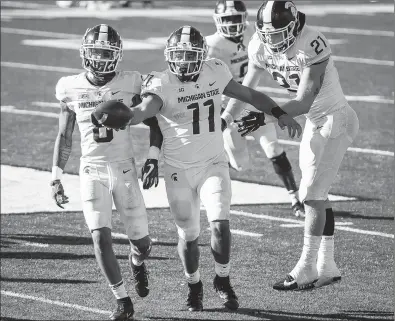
[{"x": 111, "y": 114}]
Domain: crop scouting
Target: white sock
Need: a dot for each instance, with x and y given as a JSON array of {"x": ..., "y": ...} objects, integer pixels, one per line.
[
  {"x": 119, "y": 290},
  {"x": 193, "y": 278},
  {"x": 136, "y": 262},
  {"x": 222, "y": 270},
  {"x": 326, "y": 264},
  {"x": 326, "y": 251},
  {"x": 293, "y": 195},
  {"x": 306, "y": 267}
]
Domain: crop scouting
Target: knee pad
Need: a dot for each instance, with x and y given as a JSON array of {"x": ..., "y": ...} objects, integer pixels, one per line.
[
  {"x": 141, "y": 248},
  {"x": 283, "y": 169},
  {"x": 272, "y": 149},
  {"x": 189, "y": 233},
  {"x": 281, "y": 163}
]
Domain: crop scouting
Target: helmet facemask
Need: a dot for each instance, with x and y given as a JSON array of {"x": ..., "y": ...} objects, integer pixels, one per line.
[
  {"x": 231, "y": 25},
  {"x": 101, "y": 57},
  {"x": 277, "y": 40},
  {"x": 184, "y": 60}
]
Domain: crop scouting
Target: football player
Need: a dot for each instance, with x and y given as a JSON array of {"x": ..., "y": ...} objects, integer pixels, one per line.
[
  {"x": 299, "y": 58},
  {"x": 187, "y": 101},
  {"x": 229, "y": 45},
  {"x": 107, "y": 168}
]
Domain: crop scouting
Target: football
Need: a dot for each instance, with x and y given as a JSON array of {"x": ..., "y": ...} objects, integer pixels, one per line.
[{"x": 111, "y": 114}]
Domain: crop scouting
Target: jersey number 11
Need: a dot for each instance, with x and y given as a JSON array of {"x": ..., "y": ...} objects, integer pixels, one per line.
[{"x": 196, "y": 116}]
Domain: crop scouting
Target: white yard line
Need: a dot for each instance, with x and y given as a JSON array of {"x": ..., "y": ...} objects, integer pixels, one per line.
[
  {"x": 36, "y": 244},
  {"x": 40, "y": 67},
  {"x": 54, "y": 302},
  {"x": 301, "y": 224},
  {"x": 350, "y": 31},
  {"x": 22, "y": 4},
  {"x": 368, "y": 99},
  {"x": 39, "y": 33},
  {"x": 366, "y": 61},
  {"x": 13, "y": 110},
  {"x": 245, "y": 233},
  {"x": 45, "y": 104},
  {"x": 297, "y": 223}
]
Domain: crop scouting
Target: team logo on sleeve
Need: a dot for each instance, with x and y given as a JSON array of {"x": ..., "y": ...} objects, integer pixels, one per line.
[{"x": 174, "y": 177}]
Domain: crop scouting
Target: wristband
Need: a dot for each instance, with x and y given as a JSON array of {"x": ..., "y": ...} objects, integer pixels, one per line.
[
  {"x": 153, "y": 153},
  {"x": 56, "y": 172},
  {"x": 227, "y": 117},
  {"x": 278, "y": 112}
]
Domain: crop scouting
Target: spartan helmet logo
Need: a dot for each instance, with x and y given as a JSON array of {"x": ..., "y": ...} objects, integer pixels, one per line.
[
  {"x": 174, "y": 177},
  {"x": 290, "y": 5}
]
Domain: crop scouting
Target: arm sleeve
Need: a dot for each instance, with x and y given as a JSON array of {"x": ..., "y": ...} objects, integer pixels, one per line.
[{"x": 156, "y": 137}]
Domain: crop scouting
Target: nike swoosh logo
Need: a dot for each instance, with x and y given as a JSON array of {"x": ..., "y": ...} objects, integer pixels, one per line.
[
  {"x": 126, "y": 170},
  {"x": 212, "y": 83},
  {"x": 151, "y": 168},
  {"x": 115, "y": 92},
  {"x": 288, "y": 284}
]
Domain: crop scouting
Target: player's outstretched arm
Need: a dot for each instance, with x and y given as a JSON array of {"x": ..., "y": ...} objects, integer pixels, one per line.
[
  {"x": 309, "y": 87},
  {"x": 62, "y": 151},
  {"x": 149, "y": 107},
  {"x": 263, "y": 103},
  {"x": 150, "y": 170},
  {"x": 251, "y": 79}
]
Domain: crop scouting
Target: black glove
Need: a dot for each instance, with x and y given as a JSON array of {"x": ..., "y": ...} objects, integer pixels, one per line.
[
  {"x": 150, "y": 173},
  {"x": 58, "y": 193},
  {"x": 250, "y": 122}
]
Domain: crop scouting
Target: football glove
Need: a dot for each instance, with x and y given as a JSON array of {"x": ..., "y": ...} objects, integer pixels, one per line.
[
  {"x": 150, "y": 173},
  {"x": 250, "y": 122},
  {"x": 58, "y": 193}
]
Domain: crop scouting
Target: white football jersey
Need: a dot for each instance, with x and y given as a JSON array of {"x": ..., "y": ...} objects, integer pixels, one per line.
[
  {"x": 233, "y": 54},
  {"x": 190, "y": 115},
  {"x": 100, "y": 144},
  {"x": 310, "y": 47}
]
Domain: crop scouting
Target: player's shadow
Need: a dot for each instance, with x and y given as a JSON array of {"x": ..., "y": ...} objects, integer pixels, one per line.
[
  {"x": 64, "y": 256},
  {"x": 6, "y": 243},
  {"x": 70, "y": 240},
  {"x": 362, "y": 315},
  {"x": 50, "y": 281},
  {"x": 14, "y": 319},
  {"x": 344, "y": 214}
]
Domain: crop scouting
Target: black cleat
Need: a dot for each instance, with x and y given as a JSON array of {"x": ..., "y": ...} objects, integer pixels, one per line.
[
  {"x": 290, "y": 284},
  {"x": 298, "y": 210},
  {"x": 195, "y": 297},
  {"x": 124, "y": 312},
  {"x": 226, "y": 292},
  {"x": 140, "y": 278}
]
